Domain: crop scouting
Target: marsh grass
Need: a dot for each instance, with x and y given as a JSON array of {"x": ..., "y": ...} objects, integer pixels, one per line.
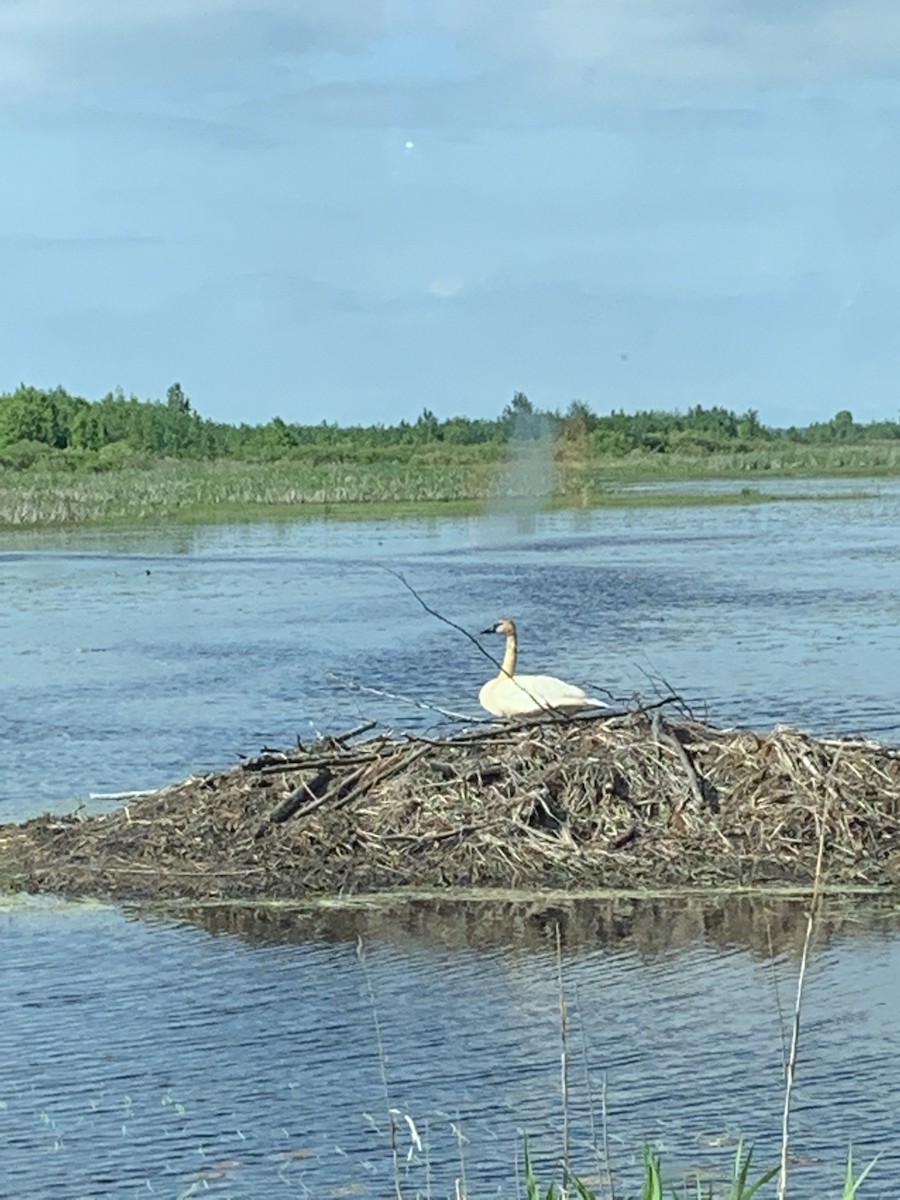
[
  {"x": 203, "y": 490},
  {"x": 779, "y": 458},
  {"x": 225, "y": 490}
]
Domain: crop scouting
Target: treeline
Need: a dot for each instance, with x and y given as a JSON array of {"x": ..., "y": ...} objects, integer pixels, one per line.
[{"x": 39, "y": 427}]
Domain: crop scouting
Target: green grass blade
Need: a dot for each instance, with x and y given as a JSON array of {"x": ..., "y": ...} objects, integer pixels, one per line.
[
  {"x": 851, "y": 1185},
  {"x": 653, "y": 1188},
  {"x": 740, "y": 1190},
  {"x": 583, "y": 1191},
  {"x": 532, "y": 1191},
  {"x": 754, "y": 1188}
]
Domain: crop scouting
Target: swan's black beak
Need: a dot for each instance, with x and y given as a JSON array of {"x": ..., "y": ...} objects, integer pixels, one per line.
[{"x": 493, "y": 629}]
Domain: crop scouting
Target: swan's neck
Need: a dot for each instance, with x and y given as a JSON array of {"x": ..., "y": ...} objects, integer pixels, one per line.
[{"x": 509, "y": 658}]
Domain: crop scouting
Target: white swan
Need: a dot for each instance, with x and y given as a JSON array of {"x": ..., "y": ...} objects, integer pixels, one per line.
[{"x": 512, "y": 695}]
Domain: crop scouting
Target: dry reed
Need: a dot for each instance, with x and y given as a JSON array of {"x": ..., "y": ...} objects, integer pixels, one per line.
[{"x": 629, "y": 801}]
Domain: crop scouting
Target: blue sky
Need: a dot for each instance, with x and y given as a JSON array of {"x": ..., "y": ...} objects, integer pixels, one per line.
[{"x": 344, "y": 210}]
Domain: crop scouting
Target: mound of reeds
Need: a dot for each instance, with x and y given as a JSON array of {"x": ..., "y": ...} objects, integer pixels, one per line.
[{"x": 634, "y": 801}]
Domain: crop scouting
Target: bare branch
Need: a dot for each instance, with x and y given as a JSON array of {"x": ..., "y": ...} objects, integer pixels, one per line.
[
  {"x": 440, "y": 616},
  {"x": 353, "y": 686}
]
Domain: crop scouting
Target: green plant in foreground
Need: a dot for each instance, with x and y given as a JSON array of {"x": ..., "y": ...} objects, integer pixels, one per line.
[
  {"x": 851, "y": 1185},
  {"x": 554, "y": 1191},
  {"x": 738, "y": 1188},
  {"x": 653, "y": 1184}
]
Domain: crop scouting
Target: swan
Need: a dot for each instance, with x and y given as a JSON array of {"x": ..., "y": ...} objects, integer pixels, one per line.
[{"x": 512, "y": 695}]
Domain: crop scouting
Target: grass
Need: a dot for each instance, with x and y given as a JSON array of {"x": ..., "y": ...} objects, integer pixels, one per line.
[
  {"x": 782, "y": 459},
  {"x": 741, "y": 1185},
  {"x": 225, "y": 490}
]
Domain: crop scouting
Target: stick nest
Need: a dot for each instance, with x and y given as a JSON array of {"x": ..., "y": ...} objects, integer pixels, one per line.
[{"x": 634, "y": 801}]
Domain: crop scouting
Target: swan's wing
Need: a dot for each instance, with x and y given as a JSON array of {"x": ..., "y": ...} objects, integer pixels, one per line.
[
  {"x": 525, "y": 695},
  {"x": 546, "y": 691}
]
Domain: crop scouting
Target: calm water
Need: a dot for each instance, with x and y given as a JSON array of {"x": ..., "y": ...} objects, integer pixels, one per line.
[{"x": 159, "y": 1057}]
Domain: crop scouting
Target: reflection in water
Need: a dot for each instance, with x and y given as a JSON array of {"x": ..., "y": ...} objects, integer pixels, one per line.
[{"x": 763, "y": 925}]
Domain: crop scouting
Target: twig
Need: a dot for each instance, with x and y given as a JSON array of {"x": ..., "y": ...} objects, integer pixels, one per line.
[
  {"x": 460, "y": 1190},
  {"x": 347, "y": 758},
  {"x": 286, "y": 808},
  {"x": 341, "y": 738},
  {"x": 353, "y": 686},
  {"x": 604, "y": 1113},
  {"x": 587, "y": 1079},
  {"x": 398, "y": 764},
  {"x": 334, "y": 793},
  {"x": 778, "y": 1004},
  {"x": 661, "y": 733},
  {"x": 440, "y": 616},
  {"x": 563, "y": 1057},
  {"x": 126, "y": 795},
  {"x": 655, "y": 681},
  {"x": 202, "y": 872},
  {"x": 382, "y": 1063},
  {"x": 791, "y": 1072},
  {"x": 504, "y": 732},
  {"x": 416, "y": 842},
  {"x": 671, "y": 698}
]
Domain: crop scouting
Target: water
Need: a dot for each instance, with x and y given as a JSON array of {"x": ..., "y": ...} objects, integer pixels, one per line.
[
  {"x": 129, "y": 659},
  {"x": 144, "y": 1058},
  {"x": 238, "y": 1056}
]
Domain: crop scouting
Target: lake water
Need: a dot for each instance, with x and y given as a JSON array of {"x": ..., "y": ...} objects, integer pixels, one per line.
[{"x": 236, "y": 1054}]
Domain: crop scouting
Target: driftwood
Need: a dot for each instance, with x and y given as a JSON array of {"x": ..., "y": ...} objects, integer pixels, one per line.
[
  {"x": 631, "y": 801},
  {"x": 313, "y": 791}
]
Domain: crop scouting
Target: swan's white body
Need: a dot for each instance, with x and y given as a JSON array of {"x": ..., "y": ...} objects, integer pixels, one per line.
[{"x": 512, "y": 695}]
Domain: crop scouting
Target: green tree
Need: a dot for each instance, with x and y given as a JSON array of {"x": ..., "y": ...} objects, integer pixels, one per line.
[
  {"x": 428, "y": 426},
  {"x": 177, "y": 400},
  {"x": 749, "y": 426},
  {"x": 32, "y": 415},
  {"x": 521, "y": 419},
  {"x": 842, "y": 425},
  {"x": 578, "y": 422}
]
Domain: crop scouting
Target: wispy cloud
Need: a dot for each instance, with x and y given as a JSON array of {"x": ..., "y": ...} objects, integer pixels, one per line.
[
  {"x": 570, "y": 48},
  {"x": 48, "y": 46},
  {"x": 445, "y": 287},
  {"x": 685, "y": 41}
]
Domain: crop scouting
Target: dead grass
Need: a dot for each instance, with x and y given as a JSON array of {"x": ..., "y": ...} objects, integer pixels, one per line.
[{"x": 636, "y": 801}]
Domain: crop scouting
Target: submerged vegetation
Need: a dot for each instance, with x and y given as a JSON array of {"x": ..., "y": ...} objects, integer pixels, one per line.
[{"x": 66, "y": 459}]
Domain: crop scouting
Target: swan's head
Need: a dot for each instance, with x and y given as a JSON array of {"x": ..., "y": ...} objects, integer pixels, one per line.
[{"x": 506, "y": 626}]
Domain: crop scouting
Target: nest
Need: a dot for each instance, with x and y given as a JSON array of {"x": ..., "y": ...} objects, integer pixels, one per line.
[{"x": 635, "y": 801}]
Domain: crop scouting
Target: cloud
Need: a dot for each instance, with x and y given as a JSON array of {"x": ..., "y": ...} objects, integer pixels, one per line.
[
  {"x": 445, "y": 287},
  {"x": 49, "y": 46},
  {"x": 569, "y": 52},
  {"x": 696, "y": 42}
]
